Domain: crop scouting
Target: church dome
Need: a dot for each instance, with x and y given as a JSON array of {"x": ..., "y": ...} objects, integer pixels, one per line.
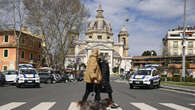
[{"x": 99, "y": 23}]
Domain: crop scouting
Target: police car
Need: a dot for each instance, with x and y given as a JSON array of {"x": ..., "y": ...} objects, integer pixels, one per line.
[
  {"x": 27, "y": 76},
  {"x": 146, "y": 76}
]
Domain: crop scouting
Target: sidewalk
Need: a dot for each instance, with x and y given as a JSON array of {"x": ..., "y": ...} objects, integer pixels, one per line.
[{"x": 178, "y": 87}]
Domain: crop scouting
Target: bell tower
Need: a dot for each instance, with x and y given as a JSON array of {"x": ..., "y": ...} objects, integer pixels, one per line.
[{"x": 123, "y": 38}]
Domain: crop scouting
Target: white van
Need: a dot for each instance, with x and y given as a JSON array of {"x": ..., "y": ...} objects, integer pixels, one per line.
[
  {"x": 146, "y": 76},
  {"x": 27, "y": 76}
]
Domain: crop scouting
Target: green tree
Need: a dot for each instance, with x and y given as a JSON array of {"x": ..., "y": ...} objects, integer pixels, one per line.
[{"x": 149, "y": 53}]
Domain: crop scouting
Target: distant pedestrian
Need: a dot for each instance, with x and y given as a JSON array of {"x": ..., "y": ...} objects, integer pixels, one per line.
[
  {"x": 104, "y": 66},
  {"x": 92, "y": 76}
]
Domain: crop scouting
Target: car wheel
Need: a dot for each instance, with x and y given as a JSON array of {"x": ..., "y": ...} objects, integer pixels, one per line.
[
  {"x": 151, "y": 85},
  {"x": 48, "y": 81},
  {"x": 131, "y": 86},
  {"x": 37, "y": 86}
]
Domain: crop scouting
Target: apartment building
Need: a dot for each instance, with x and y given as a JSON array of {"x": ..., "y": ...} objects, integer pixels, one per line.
[
  {"x": 173, "y": 41},
  {"x": 29, "y": 49}
]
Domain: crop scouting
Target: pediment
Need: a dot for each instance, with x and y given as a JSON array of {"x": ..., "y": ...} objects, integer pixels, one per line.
[{"x": 100, "y": 46}]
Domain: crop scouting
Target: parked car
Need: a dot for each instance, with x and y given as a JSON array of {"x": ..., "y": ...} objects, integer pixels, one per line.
[
  {"x": 27, "y": 76},
  {"x": 2, "y": 79},
  {"x": 10, "y": 76},
  {"x": 45, "y": 77}
]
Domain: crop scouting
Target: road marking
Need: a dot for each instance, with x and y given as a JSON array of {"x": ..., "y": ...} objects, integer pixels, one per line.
[
  {"x": 44, "y": 106},
  {"x": 143, "y": 106},
  {"x": 12, "y": 105},
  {"x": 192, "y": 104},
  {"x": 74, "y": 106},
  {"x": 175, "y": 106}
]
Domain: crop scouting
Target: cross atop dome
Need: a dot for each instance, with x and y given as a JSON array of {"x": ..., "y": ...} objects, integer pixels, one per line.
[{"x": 100, "y": 12}]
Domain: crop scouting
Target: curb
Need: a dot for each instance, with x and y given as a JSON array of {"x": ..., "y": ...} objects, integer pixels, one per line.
[{"x": 178, "y": 89}]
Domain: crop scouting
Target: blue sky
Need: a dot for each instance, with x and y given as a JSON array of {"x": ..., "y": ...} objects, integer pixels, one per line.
[{"x": 149, "y": 20}]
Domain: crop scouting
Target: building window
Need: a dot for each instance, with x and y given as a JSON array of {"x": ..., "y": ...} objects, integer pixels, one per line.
[
  {"x": 190, "y": 52},
  {"x": 22, "y": 56},
  {"x": 190, "y": 44},
  {"x": 31, "y": 56},
  {"x": 6, "y": 38},
  {"x": 175, "y": 44},
  {"x": 39, "y": 57},
  {"x": 32, "y": 43},
  {"x": 108, "y": 37},
  {"x": 99, "y": 37},
  {"x": 39, "y": 44},
  {"x": 23, "y": 40},
  {"x": 175, "y": 52},
  {"x": 5, "y": 53},
  {"x": 174, "y": 35},
  {"x": 124, "y": 41},
  {"x": 90, "y": 37},
  {"x": 4, "y": 68}
]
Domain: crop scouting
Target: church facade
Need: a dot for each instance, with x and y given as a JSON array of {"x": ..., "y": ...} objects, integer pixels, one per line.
[{"x": 99, "y": 35}]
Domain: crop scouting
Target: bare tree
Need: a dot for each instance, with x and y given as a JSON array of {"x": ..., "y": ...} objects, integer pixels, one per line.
[
  {"x": 55, "y": 20},
  {"x": 13, "y": 13}
]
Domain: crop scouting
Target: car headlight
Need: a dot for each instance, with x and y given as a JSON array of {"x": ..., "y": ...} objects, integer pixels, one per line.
[
  {"x": 146, "y": 80},
  {"x": 37, "y": 76}
]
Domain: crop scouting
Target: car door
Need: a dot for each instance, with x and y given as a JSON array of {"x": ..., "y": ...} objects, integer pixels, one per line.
[{"x": 155, "y": 77}]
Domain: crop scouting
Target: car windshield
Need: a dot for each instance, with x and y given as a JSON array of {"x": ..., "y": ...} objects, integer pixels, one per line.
[
  {"x": 143, "y": 72},
  {"x": 10, "y": 72},
  {"x": 28, "y": 71}
]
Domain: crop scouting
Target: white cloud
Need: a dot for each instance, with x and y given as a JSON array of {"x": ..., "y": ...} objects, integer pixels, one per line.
[
  {"x": 161, "y": 8},
  {"x": 149, "y": 19}
]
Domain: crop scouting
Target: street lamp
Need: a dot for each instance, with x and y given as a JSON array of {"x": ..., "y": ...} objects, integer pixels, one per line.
[{"x": 184, "y": 43}]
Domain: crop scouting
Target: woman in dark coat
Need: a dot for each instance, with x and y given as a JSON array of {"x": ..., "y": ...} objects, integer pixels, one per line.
[{"x": 104, "y": 66}]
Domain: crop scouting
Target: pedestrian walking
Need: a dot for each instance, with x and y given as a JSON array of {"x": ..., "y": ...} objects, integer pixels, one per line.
[
  {"x": 104, "y": 66},
  {"x": 92, "y": 76}
]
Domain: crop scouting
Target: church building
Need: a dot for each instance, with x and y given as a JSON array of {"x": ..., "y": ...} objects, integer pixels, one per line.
[{"x": 99, "y": 35}]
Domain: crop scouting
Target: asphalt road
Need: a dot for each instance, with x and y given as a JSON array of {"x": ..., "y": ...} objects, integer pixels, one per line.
[{"x": 59, "y": 96}]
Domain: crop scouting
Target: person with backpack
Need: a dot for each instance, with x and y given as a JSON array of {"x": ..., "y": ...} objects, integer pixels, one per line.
[{"x": 93, "y": 76}]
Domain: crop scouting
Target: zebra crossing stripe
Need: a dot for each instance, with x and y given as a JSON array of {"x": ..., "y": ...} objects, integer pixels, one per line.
[
  {"x": 175, "y": 106},
  {"x": 74, "y": 106},
  {"x": 12, "y": 105},
  {"x": 44, "y": 106},
  {"x": 143, "y": 106}
]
